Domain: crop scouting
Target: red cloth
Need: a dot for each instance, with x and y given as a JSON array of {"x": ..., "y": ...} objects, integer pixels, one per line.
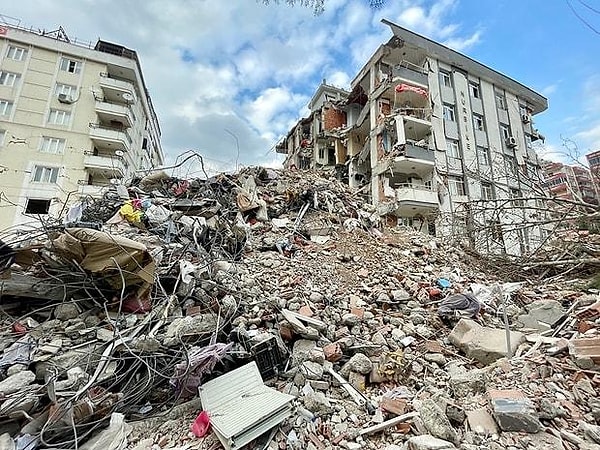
[
  {"x": 201, "y": 425},
  {"x": 407, "y": 87}
]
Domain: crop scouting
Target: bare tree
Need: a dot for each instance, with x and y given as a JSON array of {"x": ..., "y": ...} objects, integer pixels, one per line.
[{"x": 318, "y": 6}]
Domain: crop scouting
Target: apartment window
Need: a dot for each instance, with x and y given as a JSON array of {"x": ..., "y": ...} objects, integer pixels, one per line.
[
  {"x": 448, "y": 112},
  {"x": 42, "y": 174},
  {"x": 505, "y": 132},
  {"x": 66, "y": 89},
  {"x": 517, "y": 197},
  {"x": 16, "y": 53},
  {"x": 478, "y": 123},
  {"x": 500, "y": 101},
  {"x": 483, "y": 156},
  {"x": 528, "y": 141},
  {"x": 59, "y": 117},
  {"x": 474, "y": 89},
  {"x": 456, "y": 186},
  {"x": 8, "y": 78},
  {"x": 445, "y": 79},
  {"x": 453, "y": 149},
  {"x": 511, "y": 165},
  {"x": 487, "y": 191},
  {"x": 2, "y": 136},
  {"x": 37, "y": 206},
  {"x": 5, "y": 107},
  {"x": 321, "y": 153},
  {"x": 52, "y": 145},
  {"x": 70, "y": 65}
]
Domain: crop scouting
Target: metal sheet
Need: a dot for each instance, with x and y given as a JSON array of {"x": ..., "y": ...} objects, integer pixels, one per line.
[{"x": 241, "y": 407}]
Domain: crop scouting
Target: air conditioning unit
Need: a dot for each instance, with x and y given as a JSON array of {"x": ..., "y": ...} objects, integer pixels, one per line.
[
  {"x": 81, "y": 182},
  {"x": 525, "y": 118},
  {"x": 64, "y": 98},
  {"x": 511, "y": 142}
]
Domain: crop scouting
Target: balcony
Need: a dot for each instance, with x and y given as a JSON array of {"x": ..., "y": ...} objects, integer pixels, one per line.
[
  {"x": 107, "y": 137},
  {"x": 93, "y": 190},
  {"x": 415, "y": 159},
  {"x": 117, "y": 90},
  {"x": 415, "y": 128},
  {"x": 411, "y": 73},
  {"x": 109, "y": 112},
  {"x": 107, "y": 166},
  {"x": 415, "y": 199}
]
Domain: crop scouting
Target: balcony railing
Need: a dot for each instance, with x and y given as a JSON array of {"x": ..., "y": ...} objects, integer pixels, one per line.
[
  {"x": 114, "y": 111},
  {"x": 110, "y": 135},
  {"x": 111, "y": 164},
  {"x": 419, "y": 194},
  {"x": 411, "y": 72}
]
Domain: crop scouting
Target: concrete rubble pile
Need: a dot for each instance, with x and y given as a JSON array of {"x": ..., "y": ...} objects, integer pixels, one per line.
[{"x": 118, "y": 324}]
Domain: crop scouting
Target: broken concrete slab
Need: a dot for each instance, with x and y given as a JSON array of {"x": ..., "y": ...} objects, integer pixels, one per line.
[
  {"x": 484, "y": 344},
  {"x": 427, "y": 442},
  {"x": 513, "y": 411},
  {"x": 435, "y": 420},
  {"x": 542, "y": 315},
  {"x": 16, "y": 382},
  {"x": 481, "y": 422}
]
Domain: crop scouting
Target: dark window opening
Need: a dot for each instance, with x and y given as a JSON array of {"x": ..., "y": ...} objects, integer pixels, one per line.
[
  {"x": 331, "y": 156},
  {"x": 37, "y": 206},
  {"x": 145, "y": 144}
]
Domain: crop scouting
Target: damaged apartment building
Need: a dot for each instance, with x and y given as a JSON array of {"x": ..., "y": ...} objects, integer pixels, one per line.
[{"x": 441, "y": 142}]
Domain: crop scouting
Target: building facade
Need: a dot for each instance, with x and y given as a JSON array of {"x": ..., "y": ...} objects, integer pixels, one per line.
[
  {"x": 443, "y": 144},
  {"x": 570, "y": 182},
  {"x": 74, "y": 120}
]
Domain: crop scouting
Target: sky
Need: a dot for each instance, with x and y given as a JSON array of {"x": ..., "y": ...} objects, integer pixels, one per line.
[{"x": 228, "y": 79}]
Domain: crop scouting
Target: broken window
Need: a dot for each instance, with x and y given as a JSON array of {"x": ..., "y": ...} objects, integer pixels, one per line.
[
  {"x": 483, "y": 156},
  {"x": 37, "y": 206},
  {"x": 70, "y": 65},
  {"x": 448, "y": 112},
  {"x": 474, "y": 89},
  {"x": 456, "y": 185},
  {"x": 516, "y": 195},
  {"x": 478, "y": 122},
  {"x": 445, "y": 79}
]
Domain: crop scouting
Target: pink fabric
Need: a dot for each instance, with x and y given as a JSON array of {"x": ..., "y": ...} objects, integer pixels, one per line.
[{"x": 201, "y": 425}]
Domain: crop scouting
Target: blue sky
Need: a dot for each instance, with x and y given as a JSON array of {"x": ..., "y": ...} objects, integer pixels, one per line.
[{"x": 220, "y": 70}]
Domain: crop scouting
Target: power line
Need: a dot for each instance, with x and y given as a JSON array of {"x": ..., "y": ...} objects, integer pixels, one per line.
[
  {"x": 587, "y": 24},
  {"x": 597, "y": 11}
]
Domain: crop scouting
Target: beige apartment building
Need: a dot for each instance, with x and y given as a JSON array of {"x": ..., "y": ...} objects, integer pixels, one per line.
[
  {"x": 74, "y": 120},
  {"x": 440, "y": 142}
]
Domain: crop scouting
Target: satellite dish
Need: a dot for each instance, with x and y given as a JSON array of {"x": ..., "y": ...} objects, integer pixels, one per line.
[
  {"x": 119, "y": 153},
  {"x": 114, "y": 181},
  {"x": 127, "y": 97}
]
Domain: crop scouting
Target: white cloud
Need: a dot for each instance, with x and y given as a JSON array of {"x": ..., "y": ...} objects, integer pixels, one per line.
[
  {"x": 550, "y": 89},
  {"x": 216, "y": 68}
]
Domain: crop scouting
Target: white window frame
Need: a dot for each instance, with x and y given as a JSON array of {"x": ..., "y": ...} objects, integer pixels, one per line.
[
  {"x": 66, "y": 89},
  {"x": 453, "y": 149},
  {"x": 52, "y": 145},
  {"x": 321, "y": 153},
  {"x": 16, "y": 53},
  {"x": 512, "y": 167},
  {"x": 501, "y": 101},
  {"x": 505, "y": 132},
  {"x": 487, "y": 191},
  {"x": 478, "y": 122},
  {"x": 70, "y": 65},
  {"x": 445, "y": 79},
  {"x": 9, "y": 79},
  {"x": 474, "y": 89},
  {"x": 483, "y": 156},
  {"x": 59, "y": 117},
  {"x": 5, "y": 107},
  {"x": 448, "y": 112},
  {"x": 44, "y": 174},
  {"x": 456, "y": 186}
]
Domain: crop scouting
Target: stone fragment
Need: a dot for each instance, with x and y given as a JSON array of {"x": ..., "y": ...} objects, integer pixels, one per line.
[
  {"x": 358, "y": 363},
  {"x": 318, "y": 403},
  {"x": 436, "y": 421},
  {"x": 302, "y": 349},
  {"x": 66, "y": 311},
  {"x": 481, "y": 422},
  {"x": 350, "y": 319},
  {"x": 542, "y": 315},
  {"x": 513, "y": 411},
  {"x": 311, "y": 370},
  {"x": 437, "y": 358},
  {"x": 400, "y": 295},
  {"x": 484, "y": 344},
  {"x": 16, "y": 382},
  {"x": 357, "y": 380},
  {"x": 333, "y": 352},
  {"x": 186, "y": 326},
  {"x": 427, "y": 442},
  {"x": 466, "y": 383}
]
